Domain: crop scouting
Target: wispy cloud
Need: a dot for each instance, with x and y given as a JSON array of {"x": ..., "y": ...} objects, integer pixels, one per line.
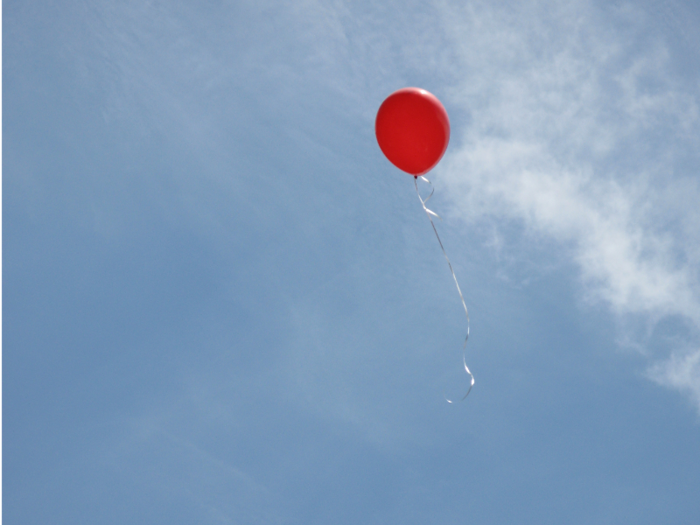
[
  {"x": 581, "y": 126},
  {"x": 175, "y": 467},
  {"x": 581, "y": 129}
]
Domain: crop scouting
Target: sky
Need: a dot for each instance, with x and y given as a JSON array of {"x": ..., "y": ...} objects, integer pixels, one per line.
[{"x": 223, "y": 305}]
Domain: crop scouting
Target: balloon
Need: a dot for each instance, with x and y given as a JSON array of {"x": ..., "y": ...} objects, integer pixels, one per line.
[{"x": 412, "y": 130}]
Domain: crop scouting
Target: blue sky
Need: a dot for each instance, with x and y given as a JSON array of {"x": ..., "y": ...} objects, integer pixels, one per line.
[{"x": 222, "y": 304}]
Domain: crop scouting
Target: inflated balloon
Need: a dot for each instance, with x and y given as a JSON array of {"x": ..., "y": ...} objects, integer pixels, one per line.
[{"x": 412, "y": 130}]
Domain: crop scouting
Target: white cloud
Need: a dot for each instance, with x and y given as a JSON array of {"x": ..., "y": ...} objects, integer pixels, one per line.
[
  {"x": 580, "y": 127},
  {"x": 681, "y": 371},
  {"x": 580, "y": 130}
]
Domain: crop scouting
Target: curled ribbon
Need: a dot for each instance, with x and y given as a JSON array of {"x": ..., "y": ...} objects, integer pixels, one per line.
[{"x": 430, "y": 215}]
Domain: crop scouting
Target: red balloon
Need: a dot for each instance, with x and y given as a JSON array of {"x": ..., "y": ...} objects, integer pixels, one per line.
[{"x": 412, "y": 130}]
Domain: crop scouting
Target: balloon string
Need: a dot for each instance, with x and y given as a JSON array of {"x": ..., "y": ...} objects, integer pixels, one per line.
[{"x": 430, "y": 215}]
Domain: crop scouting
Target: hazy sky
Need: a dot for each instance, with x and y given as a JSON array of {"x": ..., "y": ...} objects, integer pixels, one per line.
[{"x": 222, "y": 304}]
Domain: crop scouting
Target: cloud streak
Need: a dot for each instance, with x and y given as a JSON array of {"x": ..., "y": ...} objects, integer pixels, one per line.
[
  {"x": 581, "y": 130},
  {"x": 580, "y": 127}
]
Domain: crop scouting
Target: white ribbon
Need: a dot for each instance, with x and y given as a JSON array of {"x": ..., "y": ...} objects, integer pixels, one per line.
[{"x": 430, "y": 215}]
